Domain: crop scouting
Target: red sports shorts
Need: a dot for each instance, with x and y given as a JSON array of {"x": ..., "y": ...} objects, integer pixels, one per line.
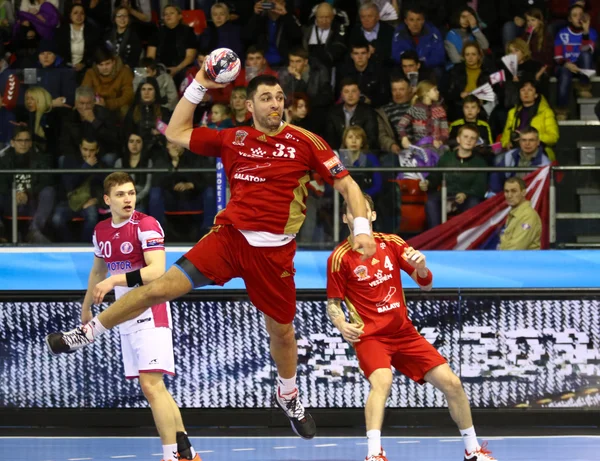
[
  {"x": 268, "y": 272},
  {"x": 409, "y": 353}
]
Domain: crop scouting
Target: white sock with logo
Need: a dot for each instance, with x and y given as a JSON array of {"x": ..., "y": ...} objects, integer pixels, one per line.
[
  {"x": 286, "y": 385},
  {"x": 95, "y": 328},
  {"x": 170, "y": 452},
  {"x": 374, "y": 440},
  {"x": 470, "y": 439}
]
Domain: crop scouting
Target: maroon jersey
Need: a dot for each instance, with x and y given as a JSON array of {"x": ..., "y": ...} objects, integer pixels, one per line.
[
  {"x": 122, "y": 246},
  {"x": 267, "y": 174},
  {"x": 372, "y": 289}
]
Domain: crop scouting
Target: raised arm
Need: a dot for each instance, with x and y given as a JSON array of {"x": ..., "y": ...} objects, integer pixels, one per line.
[
  {"x": 353, "y": 196},
  {"x": 181, "y": 125}
]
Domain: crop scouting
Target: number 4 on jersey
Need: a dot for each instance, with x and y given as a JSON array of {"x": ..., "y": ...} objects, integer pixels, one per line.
[{"x": 388, "y": 264}]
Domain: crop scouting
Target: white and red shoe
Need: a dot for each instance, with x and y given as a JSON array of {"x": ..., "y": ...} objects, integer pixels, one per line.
[
  {"x": 380, "y": 457},
  {"x": 481, "y": 454}
]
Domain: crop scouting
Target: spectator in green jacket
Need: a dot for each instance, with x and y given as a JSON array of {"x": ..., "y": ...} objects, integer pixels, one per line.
[{"x": 465, "y": 190}]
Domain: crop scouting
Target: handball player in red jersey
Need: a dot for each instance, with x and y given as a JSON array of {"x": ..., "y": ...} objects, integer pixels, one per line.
[
  {"x": 267, "y": 166},
  {"x": 382, "y": 334}
]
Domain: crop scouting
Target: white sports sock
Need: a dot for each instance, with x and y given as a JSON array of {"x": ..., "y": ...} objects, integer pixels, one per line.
[
  {"x": 470, "y": 439},
  {"x": 170, "y": 452},
  {"x": 286, "y": 385},
  {"x": 374, "y": 439},
  {"x": 96, "y": 328}
]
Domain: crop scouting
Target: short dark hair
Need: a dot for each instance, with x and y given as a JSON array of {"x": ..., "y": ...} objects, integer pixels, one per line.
[
  {"x": 470, "y": 99},
  {"x": 20, "y": 129},
  {"x": 368, "y": 199},
  {"x": 103, "y": 54},
  {"x": 348, "y": 81},
  {"x": 519, "y": 181},
  {"x": 360, "y": 43},
  {"x": 253, "y": 49},
  {"x": 468, "y": 126},
  {"x": 529, "y": 81},
  {"x": 300, "y": 52},
  {"x": 264, "y": 79},
  {"x": 149, "y": 62},
  {"x": 89, "y": 140},
  {"x": 397, "y": 78},
  {"x": 118, "y": 178},
  {"x": 412, "y": 8},
  {"x": 410, "y": 55}
]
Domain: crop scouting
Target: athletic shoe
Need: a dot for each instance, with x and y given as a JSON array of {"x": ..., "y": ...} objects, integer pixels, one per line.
[
  {"x": 184, "y": 448},
  {"x": 68, "y": 342},
  {"x": 481, "y": 454},
  {"x": 301, "y": 421},
  {"x": 196, "y": 458},
  {"x": 380, "y": 457}
]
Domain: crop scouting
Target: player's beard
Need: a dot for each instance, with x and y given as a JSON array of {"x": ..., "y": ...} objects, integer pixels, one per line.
[{"x": 270, "y": 122}]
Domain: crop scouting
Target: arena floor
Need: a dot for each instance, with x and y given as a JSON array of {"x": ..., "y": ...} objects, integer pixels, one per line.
[{"x": 513, "y": 448}]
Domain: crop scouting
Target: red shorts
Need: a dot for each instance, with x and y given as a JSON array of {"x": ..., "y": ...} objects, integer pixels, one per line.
[
  {"x": 268, "y": 272},
  {"x": 409, "y": 353}
]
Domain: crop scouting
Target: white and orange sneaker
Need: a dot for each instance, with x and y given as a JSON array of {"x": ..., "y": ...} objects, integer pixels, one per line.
[
  {"x": 380, "y": 457},
  {"x": 481, "y": 454}
]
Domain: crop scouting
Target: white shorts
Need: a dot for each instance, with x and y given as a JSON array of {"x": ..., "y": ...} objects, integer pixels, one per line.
[{"x": 148, "y": 351}]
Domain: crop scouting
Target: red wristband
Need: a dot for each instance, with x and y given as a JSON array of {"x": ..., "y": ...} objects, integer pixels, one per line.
[{"x": 424, "y": 281}]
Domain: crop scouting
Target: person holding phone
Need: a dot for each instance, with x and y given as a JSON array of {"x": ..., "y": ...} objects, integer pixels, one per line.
[{"x": 275, "y": 29}]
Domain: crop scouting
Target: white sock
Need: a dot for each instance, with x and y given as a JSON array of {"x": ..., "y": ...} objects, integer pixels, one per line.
[
  {"x": 374, "y": 439},
  {"x": 470, "y": 439},
  {"x": 286, "y": 385},
  {"x": 170, "y": 452},
  {"x": 96, "y": 328}
]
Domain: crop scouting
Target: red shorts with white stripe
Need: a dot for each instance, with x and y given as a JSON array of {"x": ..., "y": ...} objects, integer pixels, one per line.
[
  {"x": 409, "y": 353},
  {"x": 268, "y": 272}
]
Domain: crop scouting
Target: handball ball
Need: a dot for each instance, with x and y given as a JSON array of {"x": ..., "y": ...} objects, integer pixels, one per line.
[{"x": 222, "y": 65}]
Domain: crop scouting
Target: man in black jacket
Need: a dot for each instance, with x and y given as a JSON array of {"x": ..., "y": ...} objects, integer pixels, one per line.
[
  {"x": 309, "y": 78},
  {"x": 325, "y": 40},
  {"x": 370, "y": 74},
  {"x": 35, "y": 192},
  {"x": 81, "y": 193},
  {"x": 351, "y": 112},
  {"x": 377, "y": 33},
  {"x": 274, "y": 30},
  {"x": 91, "y": 121}
]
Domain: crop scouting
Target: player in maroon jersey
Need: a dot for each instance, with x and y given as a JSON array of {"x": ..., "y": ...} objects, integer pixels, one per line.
[
  {"x": 131, "y": 245},
  {"x": 267, "y": 167},
  {"x": 383, "y": 335}
]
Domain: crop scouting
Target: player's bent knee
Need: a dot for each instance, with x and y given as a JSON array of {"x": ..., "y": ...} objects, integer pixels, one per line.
[
  {"x": 152, "y": 385},
  {"x": 381, "y": 379}
]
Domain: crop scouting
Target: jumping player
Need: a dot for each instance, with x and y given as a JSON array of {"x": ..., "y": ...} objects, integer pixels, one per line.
[
  {"x": 131, "y": 247},
  {"x": 267, "y": 166},
  {"x": 383, "y": 335}
]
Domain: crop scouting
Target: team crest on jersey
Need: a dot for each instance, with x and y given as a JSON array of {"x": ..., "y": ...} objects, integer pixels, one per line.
[
  {"x": 126, "y": 248},
  {"x": 564, "y": 38},
  {"x": 382, "y": 245},
  {"x": 240, "y": 135},
  {"x": 362, "y": 273}
]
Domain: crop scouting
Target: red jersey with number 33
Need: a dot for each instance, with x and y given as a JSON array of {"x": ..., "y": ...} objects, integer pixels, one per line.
[
  {"x": 267, "y": 174},
  {"x": 372, "y": 289}
]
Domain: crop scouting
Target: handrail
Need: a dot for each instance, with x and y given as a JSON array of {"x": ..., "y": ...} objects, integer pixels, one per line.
[
  {"x": 429, "y": 169},
  {"x": 553, "y": 214}
]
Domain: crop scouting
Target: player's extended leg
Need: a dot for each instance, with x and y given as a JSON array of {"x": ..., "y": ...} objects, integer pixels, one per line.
[
  {"x": 285, "y": 355},
  {"x": 444, "y": 379},
  {"x": 171, "y": 285},
  {"x": 381, "y": 383}
]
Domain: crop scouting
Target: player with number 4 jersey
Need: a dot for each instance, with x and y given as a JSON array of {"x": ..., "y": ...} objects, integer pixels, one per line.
[{"x": 383, "y": 335}]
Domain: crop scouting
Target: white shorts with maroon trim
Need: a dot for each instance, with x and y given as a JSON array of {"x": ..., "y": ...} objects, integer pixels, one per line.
[{"x": 148, "y": 351}]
